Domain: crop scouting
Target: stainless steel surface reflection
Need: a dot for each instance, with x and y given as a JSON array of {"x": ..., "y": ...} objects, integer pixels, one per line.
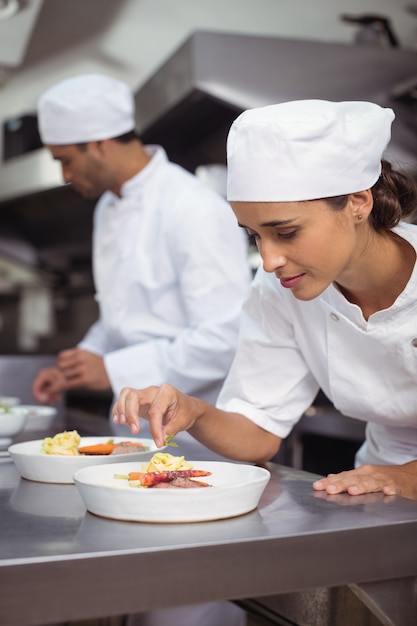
[{"x": 47, "y": 500}]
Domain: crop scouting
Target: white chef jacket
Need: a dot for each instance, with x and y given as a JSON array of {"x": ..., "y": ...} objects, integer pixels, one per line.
[
  {"x": 171, "y": 273},
  {"x": 289, "y": 348}
]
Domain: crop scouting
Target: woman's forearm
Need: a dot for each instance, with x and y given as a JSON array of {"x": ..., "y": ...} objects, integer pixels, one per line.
[
  {"x": 233, "y": 435},
  {"x": 169, "y": 412}
]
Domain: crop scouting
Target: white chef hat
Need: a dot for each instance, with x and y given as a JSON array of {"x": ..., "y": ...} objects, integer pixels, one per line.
[
  {"x": 305, "y": 150},
  {"x": 88, "y": 107}
]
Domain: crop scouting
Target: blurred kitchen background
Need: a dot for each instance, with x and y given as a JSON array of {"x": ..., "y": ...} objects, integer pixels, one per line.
[{"x": 194, "y": 66}]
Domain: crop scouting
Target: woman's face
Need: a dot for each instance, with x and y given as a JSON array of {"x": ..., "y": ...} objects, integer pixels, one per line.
[{"x": 307, "y": 245}]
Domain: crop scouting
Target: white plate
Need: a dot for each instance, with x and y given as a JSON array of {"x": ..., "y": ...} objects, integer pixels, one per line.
[
  {"x": 39, "y": 417},
  {"x": 235, "y": 489},
  {"x": 51, "y": 468}
]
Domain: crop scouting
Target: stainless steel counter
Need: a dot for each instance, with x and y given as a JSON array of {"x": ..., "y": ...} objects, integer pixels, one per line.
[{"x": 60, "y": 563}]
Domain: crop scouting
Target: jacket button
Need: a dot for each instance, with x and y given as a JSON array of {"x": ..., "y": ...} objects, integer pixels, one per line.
[
  {"x": 414, "y": 342},
  {"x": 334, "y": 317}
]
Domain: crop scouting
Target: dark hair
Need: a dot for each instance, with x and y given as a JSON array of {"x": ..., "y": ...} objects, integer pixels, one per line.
[
  {"x": 132, "y": 135},
  {"x": 395, "y": 198}
]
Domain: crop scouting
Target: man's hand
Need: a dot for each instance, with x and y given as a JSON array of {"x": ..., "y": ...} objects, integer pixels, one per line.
[
  {"x": 81, "y": 368},
  {"x": 389, "y": 479},
  {"x": 48, "y": 386}
]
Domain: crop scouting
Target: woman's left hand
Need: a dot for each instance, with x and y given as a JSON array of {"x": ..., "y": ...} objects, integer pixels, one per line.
[{"x": 391, "y": 480}]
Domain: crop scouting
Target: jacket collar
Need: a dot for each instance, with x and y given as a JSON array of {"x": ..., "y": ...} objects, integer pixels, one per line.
[{"x": 142, "y": 178}]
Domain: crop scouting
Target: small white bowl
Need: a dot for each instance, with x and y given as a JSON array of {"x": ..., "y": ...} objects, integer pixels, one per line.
[
  {"x": 9, "y": 401},
  {"x": 12, "y": 422},
  {"x": 39, "y": 417}
]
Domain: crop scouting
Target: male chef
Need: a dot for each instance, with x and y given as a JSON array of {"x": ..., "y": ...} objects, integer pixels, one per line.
[{"x": 170, "y": 263}]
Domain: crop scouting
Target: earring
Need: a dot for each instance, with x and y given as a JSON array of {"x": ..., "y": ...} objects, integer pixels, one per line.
[{"x": 359, "y": 217}]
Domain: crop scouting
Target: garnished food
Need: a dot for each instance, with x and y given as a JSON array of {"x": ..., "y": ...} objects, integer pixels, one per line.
[
  {"x": 98, "y": 448},
  {"x": 166, "y": 470},
  {"x": 150, "y": 479},
  {"x": 113, "y": 448},
  {"x": 181, "y": 482},
  {"x": 67, "y": 443},
  {"x": 163, "y": 462},
  {"x": 62, "y": 444}
]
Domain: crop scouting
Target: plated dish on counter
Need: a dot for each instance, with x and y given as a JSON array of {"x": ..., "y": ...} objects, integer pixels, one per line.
[
  {"x": 56, "y": 459},
  {"x": 129, "y": 491}
]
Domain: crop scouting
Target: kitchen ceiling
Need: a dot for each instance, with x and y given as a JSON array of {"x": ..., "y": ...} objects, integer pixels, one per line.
[
  {"x": 137, "y": 35},
  {"x": 43, "y": 28}
]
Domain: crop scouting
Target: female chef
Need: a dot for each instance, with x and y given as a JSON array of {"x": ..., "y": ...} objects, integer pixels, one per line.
[{"x": 334, "y": 305}]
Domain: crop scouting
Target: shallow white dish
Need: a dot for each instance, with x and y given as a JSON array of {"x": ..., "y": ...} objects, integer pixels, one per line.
[
  {"x": 48, "y": 468},
  {"x": 39, "y": 417},
  {"x": 235, "y": 489}
]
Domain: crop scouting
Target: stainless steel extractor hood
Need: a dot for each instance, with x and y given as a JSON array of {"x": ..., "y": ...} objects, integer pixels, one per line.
[{"x": 190, "y": 102}]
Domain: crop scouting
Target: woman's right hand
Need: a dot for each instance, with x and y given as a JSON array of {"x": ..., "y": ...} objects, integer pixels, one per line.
[{"x": 168, "y": 411}]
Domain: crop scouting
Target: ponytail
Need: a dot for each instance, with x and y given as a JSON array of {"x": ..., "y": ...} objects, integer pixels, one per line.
[{"x": 395, "y": 198}]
